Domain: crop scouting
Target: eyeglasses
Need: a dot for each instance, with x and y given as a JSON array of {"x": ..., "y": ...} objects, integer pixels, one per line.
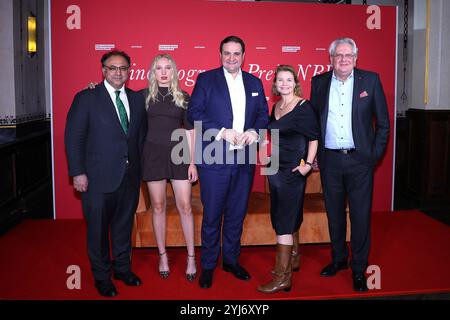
[
  {"x": 115, "y": 68},
  {"x": 344, "y": 56}
]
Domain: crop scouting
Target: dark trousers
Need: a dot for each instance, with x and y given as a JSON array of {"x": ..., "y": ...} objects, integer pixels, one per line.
[
  {"x": 109, "y": 217},
  {"x": 224, "y": 194},
  {"x": 345, "y": 178}
]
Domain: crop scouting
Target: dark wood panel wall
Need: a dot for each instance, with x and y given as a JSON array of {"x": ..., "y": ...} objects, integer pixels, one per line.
[
  {"x": 428, "y": 157},
  {"x": 25, "y": 179}
]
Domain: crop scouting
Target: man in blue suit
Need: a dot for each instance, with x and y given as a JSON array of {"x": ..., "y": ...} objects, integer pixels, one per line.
[
  {"x": 354, "y": 122},
  {"x": 104, "y": 136},
  {"x": 231, "y": 106}
]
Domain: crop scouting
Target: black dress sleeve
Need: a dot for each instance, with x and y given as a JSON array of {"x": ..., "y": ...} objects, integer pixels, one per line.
[{"x": 305, "y": 121}]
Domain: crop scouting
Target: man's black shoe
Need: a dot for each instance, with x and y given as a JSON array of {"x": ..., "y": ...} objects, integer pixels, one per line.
[
  {"x": 129, "y": 278},
  {"x": 333, "y": 268},
  {"x": 106, "y": 288},
  {"x": 237, "y": 270},
  {"x": 359, "y": 282},
  {"x": 206, "y": 277}
]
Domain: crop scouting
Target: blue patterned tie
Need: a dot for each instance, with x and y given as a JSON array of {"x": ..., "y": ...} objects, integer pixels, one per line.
[{"x": 122, "y": 113}]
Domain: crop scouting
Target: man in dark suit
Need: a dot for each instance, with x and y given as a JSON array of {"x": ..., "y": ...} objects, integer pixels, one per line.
[
  {"x": 231, "y": 106},
  {"x": 354, "y": 121},
  {"x": 104, "y": 136}
]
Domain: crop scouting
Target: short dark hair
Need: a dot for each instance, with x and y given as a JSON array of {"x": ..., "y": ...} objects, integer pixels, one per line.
[
  {"x": 233, "y": 39},
  {"x": 111, "y": 53}
]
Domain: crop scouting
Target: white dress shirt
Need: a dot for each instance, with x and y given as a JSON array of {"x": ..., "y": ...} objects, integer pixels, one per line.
[
  {"x": 338, "y": 133},
  {"x": 237, "y": 96},
  {"x": 122, "y": 96}
]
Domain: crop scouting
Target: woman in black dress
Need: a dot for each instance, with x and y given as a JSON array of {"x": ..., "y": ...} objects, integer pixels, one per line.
[
  {"x": 298, "y": 130},
  {"x": 166, "y": 107}
]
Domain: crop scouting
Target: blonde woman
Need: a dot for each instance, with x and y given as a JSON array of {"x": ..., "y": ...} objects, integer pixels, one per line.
[{"x": 166, "y": 107}]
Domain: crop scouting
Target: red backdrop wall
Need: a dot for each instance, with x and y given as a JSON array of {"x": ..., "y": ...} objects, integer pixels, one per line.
[{"x": 191, "y": 31}]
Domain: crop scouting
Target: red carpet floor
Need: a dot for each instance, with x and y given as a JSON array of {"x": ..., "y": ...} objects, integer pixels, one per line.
[{"x": 411, "y": 249}]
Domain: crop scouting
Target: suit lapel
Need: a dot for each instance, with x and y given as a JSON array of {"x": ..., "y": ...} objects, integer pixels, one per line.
[
  {"x": 357, "y": 79},
  {"x": 223, "y": 88},
  {"x": 132, "y": 113},
  {"x": 248, "y": 98},
  {"x": 326, "y": 105}
]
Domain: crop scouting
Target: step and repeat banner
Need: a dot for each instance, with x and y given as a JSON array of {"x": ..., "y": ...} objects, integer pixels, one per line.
[{"x": 191, "y": 31}]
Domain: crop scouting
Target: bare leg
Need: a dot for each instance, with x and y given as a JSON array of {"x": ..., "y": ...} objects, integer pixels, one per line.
[
  {"x": 182, "y": 191},
  {"x": 157, "y": 190},
  {"x": 286, "y": 239}
]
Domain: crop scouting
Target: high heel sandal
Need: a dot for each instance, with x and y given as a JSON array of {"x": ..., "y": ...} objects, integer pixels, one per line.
[
  {"x": 191, "y": 276},
  {"x": 164, "y": 274}
]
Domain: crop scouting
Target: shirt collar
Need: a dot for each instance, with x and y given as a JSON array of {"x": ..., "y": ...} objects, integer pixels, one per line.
[
  {"x": 111, "y": 89},
  {"x": 348, "y": 78},
  {"x": 229, "y": 75}
]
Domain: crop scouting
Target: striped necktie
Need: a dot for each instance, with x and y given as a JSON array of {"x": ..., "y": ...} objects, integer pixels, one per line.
[{"x": 122, "y": 113}]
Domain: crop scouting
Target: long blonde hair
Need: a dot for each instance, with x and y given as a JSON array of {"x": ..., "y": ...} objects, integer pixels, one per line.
[{"x": 178, "y": 97}]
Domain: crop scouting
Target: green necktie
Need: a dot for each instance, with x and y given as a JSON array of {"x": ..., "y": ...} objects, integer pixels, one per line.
[{"x": 122, "y": 113}]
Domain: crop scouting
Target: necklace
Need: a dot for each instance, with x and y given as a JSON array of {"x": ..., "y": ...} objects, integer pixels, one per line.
[
  {"x": 281, "y": 107},
  {"x": 165, "y": 95}
]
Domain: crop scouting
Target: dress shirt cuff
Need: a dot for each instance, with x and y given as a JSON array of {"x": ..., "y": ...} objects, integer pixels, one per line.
[{"x": 219, "y": 135}]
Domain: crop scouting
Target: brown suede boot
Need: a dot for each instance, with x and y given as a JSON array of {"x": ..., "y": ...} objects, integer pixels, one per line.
[
  {"x": 295, "y": 254},
  {"x": 283, "y": 271}
]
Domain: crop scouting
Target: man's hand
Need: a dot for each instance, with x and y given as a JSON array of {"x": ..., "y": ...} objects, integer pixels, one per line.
[
  {"x": 231, "y": 136},
  {"x": 91, "y": 85},
  {"x": 247, "y": 138},
  {"x": 80, "y": 183}
]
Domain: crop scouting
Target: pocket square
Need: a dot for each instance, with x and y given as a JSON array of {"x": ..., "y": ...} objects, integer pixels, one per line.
[
  {"x": 254, "y": 94},
  {"x": 363, "y": 94}
]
